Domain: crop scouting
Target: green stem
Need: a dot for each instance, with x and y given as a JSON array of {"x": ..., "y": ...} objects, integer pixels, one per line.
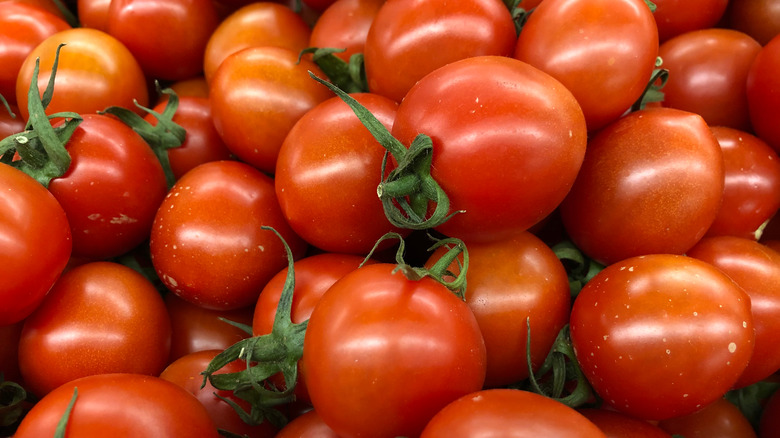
[
  {"x": 62, "y": 424},
  {"x": 579, "y": 268},
  {"x": 348, "y": 76}
]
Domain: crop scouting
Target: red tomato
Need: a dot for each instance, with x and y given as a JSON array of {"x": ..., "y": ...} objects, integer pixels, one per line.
[
  {"x": 344, "y": 24},
  {"x": 751, "y": 195},
  {"x": 308, "y": 425},
  {"x": 95, "y": 71},
  {"x": 328, "y": 168},
  {"x": 618, "y": 425},
  {"x": 255, "y": 24},
  {"x": 384, "y": 353},
  {"x": 770, "y": 417},
  {"x": 192, "y": 87},
  {"x": 185, "y": 372},
  {"x": 675, "y": 17},
  {"x": 508, "y": 141},
  {"x": 47, "y": 5},
  {"x": 708, "y": 71},
  {"x": 410, "y": 38},
  {"x": 167, "y": 37},
  {"x": 22, "y": 27},
  {"x": 679, "y": 327},
  {"x": 206, "y": 242},
  {"x": 98, "y": 318},
  {"x": 120, "y": 406},
  {"x": 10, "y": 125},
  {"x": 756, "y": 269},
  {"x": 719, "y": 419},
  {"x": 509, "y": 413},
  {"x": 757, "y": 18},
  {"x": 663, "y": 168},
  {"x": 604, "y": 51},
  {"x": 257, "y": 95},
  {"x": 763, "y": 93},
  {"x": 93, "y": 13},
  {"x": 36, "y": 243},
  {"x": 508, "y": 281}
]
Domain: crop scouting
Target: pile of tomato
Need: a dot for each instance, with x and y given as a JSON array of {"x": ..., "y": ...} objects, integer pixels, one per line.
[{"x": 400, "y": 218}]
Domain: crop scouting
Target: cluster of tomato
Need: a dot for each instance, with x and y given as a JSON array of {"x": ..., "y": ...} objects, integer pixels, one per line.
[{"x": 370, "y": 218}]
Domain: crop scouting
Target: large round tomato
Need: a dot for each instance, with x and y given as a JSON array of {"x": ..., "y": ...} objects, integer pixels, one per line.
[
  {"x": 651, "y": 182},
  {"x": 99, "y": 318},
  {"x": 763, "y": 93},
  {"x": 120, "y": 406},
  {"x": 508, "y": 141},
  {"x": 384, "y": 353},
  {"x": 604, "y": 51},
  {"x": 307, "y": 425},
  {"x": 36, "y": 243},
  {"x": 661, "y": 336},
  {"x": 675, "y": 17},
  {"x": 206, "y": 242},
  {"x": 719, "y": 419},
  {"x": 95, "y": 71},
  {"x": 345, "y": 25},
  {"x": 619, "y": 425}
]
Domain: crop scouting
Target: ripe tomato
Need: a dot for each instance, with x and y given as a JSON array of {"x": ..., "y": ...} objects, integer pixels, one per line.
[
  {"x": 618, "y": 425},
  {"x": 95, "y": 71},
  {"x": 257, "y": 95},
  {"x": 708, "y": 71},
  {"x": 751, "y": 194},
  {"x": 36, "y": 243},
  {"x": 410, "y": 38},
  {"x": 206, "y": 242},
  {"x": 384, "y": 353},
  {"x": 22, "y": 27},
  {"x": 344, "y": 24},
  {"x": 307, "y": 425},
  {"x": 675, "y": 17},
  {"x": 93, "y": 13},
  {"x": 509, "y": 413},
  {"x": 661, "y": 166},
  {"x": 508, "y": 141},
  {"x": 757, "y": 18},
  {"x": 763, "y": 93},
  {"x": 603, "y": 51},
  {"x": 661, "y": 336},
  {"x": 10, "y": 125},
  {"x": 47, "y": 5},
  {"x": 121, "y": 406},
  {"x": 719, "y": 419},
  {"x": 99, "y": 317}
]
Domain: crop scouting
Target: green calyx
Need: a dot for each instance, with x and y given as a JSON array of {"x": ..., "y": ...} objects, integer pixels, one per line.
[
  {"x": 409, "y": 188},
  {"x": 653, "y": 91},
  {"x": 580, "y": 269},
  {"x": 348, "y": 76}
]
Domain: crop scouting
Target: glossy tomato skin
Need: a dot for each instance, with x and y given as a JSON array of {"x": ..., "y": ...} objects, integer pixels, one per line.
[
  {"x": 680, "y": 317},
  {"x": 95, "y": 71},
  {"x": 93, "y": 13},
  {"x": 758, "y": 18},
  {"x": 708, "y": 71},
  {"x": 509, "y": 413},
  {"x": 10, "y": 124},
  {"x": 603, "y": 51},
  {"x": 122, "y": 406},
  {"x": 616, "y": 424},
  {"x": 186, "y": 373},
  {"x": 675, "y": 17},
  {"x": 763, "y": 92},
  {"x": 755, "y": 268},
  {"x": 307, "y": 425},
  {"x": 345, "y": 24},
  {"x": 99, "y": 317},
  {"x": 257, "y": 95},
  {"x": 751, "y": 194},
  {"x": 721, "y": 419},
  {"x": 508, "y": 281},
  {"x": 22, "y": 27},
  {"x": 661, "y": 166},
  {"x": 327, "y": 173},
  {"x": 508, "y": 141},
  {"x": 384, "y": 353},
  {"x": 37, "y": 243},
  {"x": 410, "y": 38},
  {"x": 206, "y": 242}
]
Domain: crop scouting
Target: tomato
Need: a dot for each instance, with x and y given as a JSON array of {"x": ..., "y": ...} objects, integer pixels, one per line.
[
  {"x": 167, "y": 37},
  {"x": 308, "y": 425},
  {"x": 255, "y": 24},
  {"x": 194, "y": 328},
  {"x": 93, "y": 13},
  {"x": 763, "y": 93},
  {"x": 202, "y": 143},
  {"x": 508, "y": 141},
  {"x": 757, "y": 18},
  {"x": 675, "y": 17},
  {"x": 708, "y": 71},
  {"x": 384, "y": 353},
  {"x": 319, "y": 5},
  {"x": 121, "y": 406},
  {"x": 22, "y": 27},
  {"x": 603, "y": 51},
  {"x": 36, "y": 243},
  {"x": 328, "y": 168},
  {"x": 257, "y": 95},
  {"x": 721, "y": 419},
  {"x": 185, "y": 372},
  {"x": 192, "y": 87},
  {"x": 756, "y": 269},
  {"x": 770, "y": 417},
  {"x": 95, "y": 71},
  {"x": 206, "y": 242},
  {"x": 10, "y": 125},
  {"x": 618, "y": 425},
  {"x": 99, "y": 317},
  {"x": 509, "y": 413},
  {"x": 663, "y": 168},
  {"x": 661, "y": 336},
  {"x": 344, "y": 24},
  {"x": 410, "y": 38},
  {"x": 47, "y": 5},
  {"x": 508, "y": 281}
]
